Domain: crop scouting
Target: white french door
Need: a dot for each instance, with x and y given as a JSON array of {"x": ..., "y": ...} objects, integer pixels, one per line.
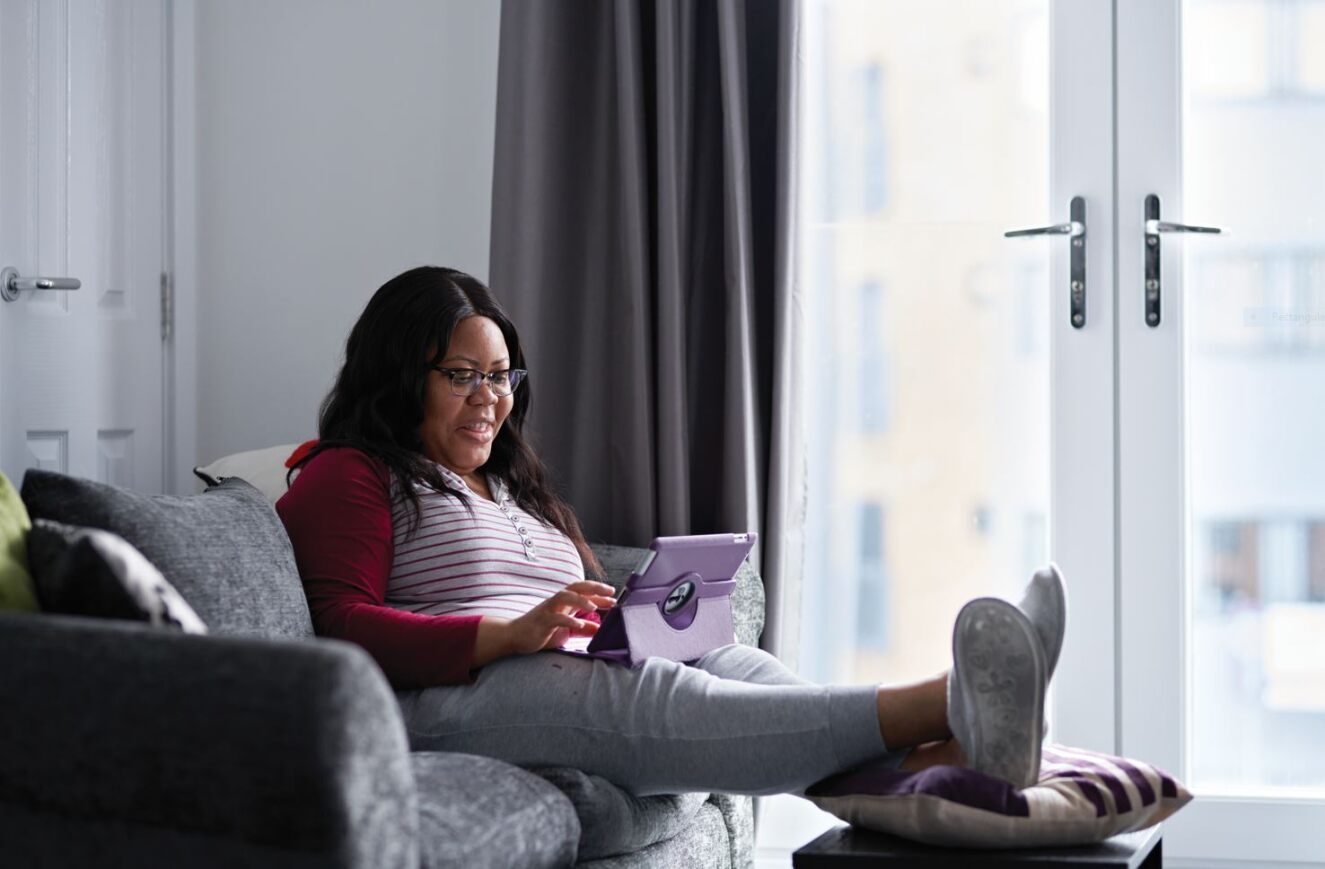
[
  {"x": 1221, "y": 351},
  {"x": 959, "y": 384},
  {"x": 82, "y": 182},
  {"x": 1165, "y": 451}
]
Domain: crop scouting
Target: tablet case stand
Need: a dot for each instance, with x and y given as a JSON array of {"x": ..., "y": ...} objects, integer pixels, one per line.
[
  {"x": 685, "y": 611},
  {"x": 700, "y": 620}
]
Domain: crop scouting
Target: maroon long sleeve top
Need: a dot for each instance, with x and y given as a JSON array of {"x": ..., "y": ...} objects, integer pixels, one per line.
[{"x": 338, "y": 516}]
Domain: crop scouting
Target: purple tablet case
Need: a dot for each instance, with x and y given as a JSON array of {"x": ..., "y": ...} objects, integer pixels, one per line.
[{"x": 677, "y": 603}]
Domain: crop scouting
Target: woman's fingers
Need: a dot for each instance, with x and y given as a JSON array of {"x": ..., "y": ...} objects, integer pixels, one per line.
[
  {"x": 588, "y": 586},
  {"x": 564, "y": 626},
  {"x": 585, "y": 629},
  {"x": 575, "y": 601}
]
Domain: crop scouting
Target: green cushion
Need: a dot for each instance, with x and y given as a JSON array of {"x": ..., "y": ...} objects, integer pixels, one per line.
[{"x": 16, "y": 590}]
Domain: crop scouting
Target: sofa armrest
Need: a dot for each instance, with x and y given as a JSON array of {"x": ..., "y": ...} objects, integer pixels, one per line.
[
  {"x": 296, "y": 745},
  {"x": 747, "y": 600}
]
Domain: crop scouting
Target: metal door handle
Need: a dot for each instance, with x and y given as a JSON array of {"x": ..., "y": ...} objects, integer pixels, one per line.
[
  {"x": 1077, "y": 259},
  {"x": 1154, "y": 226},
  {"x": 1073, "y": 229},
  {"x": 12, "y": 283}
]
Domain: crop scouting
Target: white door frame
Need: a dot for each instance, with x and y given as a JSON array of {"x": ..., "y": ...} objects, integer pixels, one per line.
[{"x": 181, "y": 364}]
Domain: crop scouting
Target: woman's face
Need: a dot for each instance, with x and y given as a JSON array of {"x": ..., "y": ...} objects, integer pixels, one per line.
[{"x": 457, "y": 431}]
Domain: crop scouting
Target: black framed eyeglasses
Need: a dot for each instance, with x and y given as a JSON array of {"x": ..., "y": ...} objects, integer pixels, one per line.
[{"x": 466, "y": 381}]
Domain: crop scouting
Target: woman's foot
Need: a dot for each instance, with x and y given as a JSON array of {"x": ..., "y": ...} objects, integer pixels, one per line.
[
  {"x": 947, "y": 752},
  {"x": 1045, "y": 603},
  {"x": 996, "y": 690}
]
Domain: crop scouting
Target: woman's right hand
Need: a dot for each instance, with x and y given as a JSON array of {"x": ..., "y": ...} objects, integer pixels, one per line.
[{"x": 554, "y": 621}]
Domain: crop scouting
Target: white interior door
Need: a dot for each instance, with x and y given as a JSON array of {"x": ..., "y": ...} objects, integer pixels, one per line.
[
  {"x": 82, "y": 183},
  {"x": 1221, "y": 117}
]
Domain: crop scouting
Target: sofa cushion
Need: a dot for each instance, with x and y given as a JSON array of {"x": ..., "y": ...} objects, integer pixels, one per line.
[
  {"x": 225, "y": 549},
  {"x": 16, "y": 590},
  {"x": 701, "y": 844},
  {"x": 478, "y": 811},
  {"x": 615, "y": 821},
  {"x": 90, "y": 572}
]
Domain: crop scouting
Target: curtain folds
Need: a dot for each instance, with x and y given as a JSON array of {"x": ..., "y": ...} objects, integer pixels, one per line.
[{"x": 642, "y": 235}]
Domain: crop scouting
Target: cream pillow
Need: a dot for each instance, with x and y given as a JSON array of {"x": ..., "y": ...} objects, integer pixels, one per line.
[
  {"x": 262, "y": 469},
  {"x": 1081, "y": 797}
]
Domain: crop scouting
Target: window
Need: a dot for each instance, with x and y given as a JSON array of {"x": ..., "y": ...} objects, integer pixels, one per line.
[
  {"x": 1268, "y": 48},
  {"x": 1229, "y": 562},
  {"x": 874, "y": 145},
  {"x": 1260, "y": 301},
  {"x": 872, "y": 590},
  {"x": 857, "y": 174},
  {"x": 874, "y": 374}
]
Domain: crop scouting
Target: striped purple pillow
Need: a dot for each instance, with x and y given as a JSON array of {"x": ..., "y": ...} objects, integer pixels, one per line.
[{"x": 1081, "y": 797}]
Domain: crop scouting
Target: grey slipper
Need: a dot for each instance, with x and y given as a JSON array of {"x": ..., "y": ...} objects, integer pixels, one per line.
[
  {"x": 996, "y": 690},
  {"x": 1045, "y": 603}
]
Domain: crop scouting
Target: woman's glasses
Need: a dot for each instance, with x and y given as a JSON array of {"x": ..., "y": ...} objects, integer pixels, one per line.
[{"x": 467, "y": 381}]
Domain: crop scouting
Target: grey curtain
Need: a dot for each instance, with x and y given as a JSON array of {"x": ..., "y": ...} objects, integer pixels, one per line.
[{"x": 641, "y": 240}]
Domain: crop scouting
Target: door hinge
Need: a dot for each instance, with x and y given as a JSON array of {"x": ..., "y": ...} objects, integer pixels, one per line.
[{"x": 167, "y": 306}]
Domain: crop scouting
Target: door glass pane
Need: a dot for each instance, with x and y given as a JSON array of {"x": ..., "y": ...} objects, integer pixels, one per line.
[
  {"x": 925, "y": 135},
  {"x": 1253, "y": 122}
]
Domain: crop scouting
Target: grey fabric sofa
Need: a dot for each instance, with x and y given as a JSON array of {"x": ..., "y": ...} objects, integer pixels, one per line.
[{"x": 123, "y": 745}]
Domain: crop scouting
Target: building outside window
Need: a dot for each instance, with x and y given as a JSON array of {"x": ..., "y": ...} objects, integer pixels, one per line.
[
  {"x": 872, "y": 590},
  {"x": 874, "y": 374}
]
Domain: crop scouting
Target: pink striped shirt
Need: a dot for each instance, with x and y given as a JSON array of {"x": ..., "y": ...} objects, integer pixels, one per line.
[{"x": 498, "y": 560}]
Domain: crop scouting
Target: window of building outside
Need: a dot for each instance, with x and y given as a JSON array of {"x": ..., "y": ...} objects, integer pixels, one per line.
[
  {"x": 1268, "y": 49},
  {"x": 874, "y": 141},
  {"x": 872, "y": 599},
  {"x": 874, "y": 373}
]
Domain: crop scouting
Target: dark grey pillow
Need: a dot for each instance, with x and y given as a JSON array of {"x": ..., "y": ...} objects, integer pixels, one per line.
[
  {"x": 615, "y": 821},
  {"x": 225, "y": 550},
  {"x": 90, "y": 572}
]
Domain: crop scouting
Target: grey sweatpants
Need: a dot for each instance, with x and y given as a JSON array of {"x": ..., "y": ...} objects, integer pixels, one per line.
[{"x": 735, "y": 721}]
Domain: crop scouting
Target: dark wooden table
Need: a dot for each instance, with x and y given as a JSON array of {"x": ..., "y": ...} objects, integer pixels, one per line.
[{"x": 848, "y": 846}]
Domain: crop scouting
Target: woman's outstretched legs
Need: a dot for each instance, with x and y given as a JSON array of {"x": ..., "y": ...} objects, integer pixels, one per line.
[
  {"x": 663, "y": 727},
  {"x": 737, "y": 721},
  {"x": 913, "y": 718},
  {"x": 915, "y": 713},
  {"x": 909, "y": 715},
  {"x": 748, "y": 664}
]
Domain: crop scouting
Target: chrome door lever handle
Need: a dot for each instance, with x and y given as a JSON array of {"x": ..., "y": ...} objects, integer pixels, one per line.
[
  {"x": 1157, "y": 226},
  {"x": 12, "y": 283},
  {"x": 1076, "y": 229},
  {"x": 1154, "y": 226}
]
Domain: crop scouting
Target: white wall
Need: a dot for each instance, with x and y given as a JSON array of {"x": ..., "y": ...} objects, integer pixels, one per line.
[{"x": 337, "y": 144}]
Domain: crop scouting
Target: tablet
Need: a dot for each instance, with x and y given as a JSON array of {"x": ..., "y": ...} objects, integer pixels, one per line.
[{"x": 676, "y": 604}]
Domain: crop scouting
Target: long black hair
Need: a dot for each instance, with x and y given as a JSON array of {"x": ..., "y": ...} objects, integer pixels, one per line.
[{"x": 376, "y": 404}]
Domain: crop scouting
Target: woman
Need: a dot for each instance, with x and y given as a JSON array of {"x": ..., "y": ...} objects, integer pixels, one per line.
[{"x": 426, "y": 531}]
